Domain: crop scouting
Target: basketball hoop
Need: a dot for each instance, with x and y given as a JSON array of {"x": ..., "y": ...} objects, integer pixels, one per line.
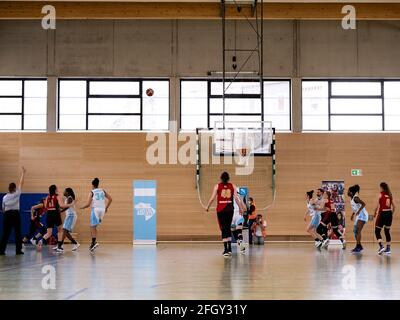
[{"x": 246, "y": 150}]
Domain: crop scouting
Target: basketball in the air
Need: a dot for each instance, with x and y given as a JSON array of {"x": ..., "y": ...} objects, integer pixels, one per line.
[{"x": 149, "y": 92}]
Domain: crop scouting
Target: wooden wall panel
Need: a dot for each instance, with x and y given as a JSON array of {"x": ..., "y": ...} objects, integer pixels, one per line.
[{"x": 303, "y": 160}]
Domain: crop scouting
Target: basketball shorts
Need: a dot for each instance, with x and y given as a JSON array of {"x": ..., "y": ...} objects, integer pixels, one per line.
[
  {"x": 69, "y": 222},
  {"x": 362, "y": 216},
  {"x": 326, "y": 217},
  {"x": 315, "y": 220},
  {"x": 384, "y": 219},
  {"x": 237, "y": 220},
  {"x": 53, "y": 219},
  {"x": 334, "y": 220},
  {"x": 96, "y": 216}
]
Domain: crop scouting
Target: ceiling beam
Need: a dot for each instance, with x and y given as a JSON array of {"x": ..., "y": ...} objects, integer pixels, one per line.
[{"x": 193, "y": 10}]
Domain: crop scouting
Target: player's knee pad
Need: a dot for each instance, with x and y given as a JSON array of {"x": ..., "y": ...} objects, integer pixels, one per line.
[
  {"x": 378, "y": 233},
  {"x": 387, "y": 235}
]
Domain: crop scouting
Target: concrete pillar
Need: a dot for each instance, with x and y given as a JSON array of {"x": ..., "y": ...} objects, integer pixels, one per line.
[
  {"x": 51, "y": 104},
  {"x": 297, "y": 123},
  {"x": 174, "y": 83},
  {"x": 51, "y": 83},
  {"x": 174, "y": 90}
]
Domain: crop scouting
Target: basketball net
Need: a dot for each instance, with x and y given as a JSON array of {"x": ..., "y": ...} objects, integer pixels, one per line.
[{"x": 245, "y": 153}]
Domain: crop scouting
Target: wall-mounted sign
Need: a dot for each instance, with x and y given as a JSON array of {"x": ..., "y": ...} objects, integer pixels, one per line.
[
  {"x": 144, "y": 212},
  {"x": 356, "y": 172}
]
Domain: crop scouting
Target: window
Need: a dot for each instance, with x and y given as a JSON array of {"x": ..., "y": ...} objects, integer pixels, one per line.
[
  {"x": 202, "y": 103},
  {"x": 351, "y": 105},
  {"x": 113, "y": 104},
  {"x": 23, "y": 104},
  {"x": 392, "y": 105}
]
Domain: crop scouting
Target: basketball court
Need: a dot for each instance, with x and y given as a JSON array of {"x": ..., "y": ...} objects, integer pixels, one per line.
[
  {"x": 189, "y": 272},
  {"x": 199, "y": 150}
]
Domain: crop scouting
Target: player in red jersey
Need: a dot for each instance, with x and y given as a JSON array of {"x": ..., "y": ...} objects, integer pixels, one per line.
[
  {"x": 225, "y": 193},
  {"x": 37, "y": 211},
  {"x": 384, "y": 216},
  {"x": 52, "y": 205}
]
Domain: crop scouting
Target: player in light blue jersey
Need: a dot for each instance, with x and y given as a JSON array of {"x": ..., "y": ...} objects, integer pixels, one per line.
[
  {"x": 359, "y": 216},
  {"x": 315, "y": 219},
  {"x": 237, "y": 223},
  {"x": 69, "y": 222},
  {"x": 99, "y": 201}
]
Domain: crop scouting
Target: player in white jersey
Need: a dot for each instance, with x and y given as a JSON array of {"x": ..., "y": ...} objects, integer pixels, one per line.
[
  {"x": 99, "y": 201},
  {"x": 315, "y": 218},
  {"x": 237, "y": 223},
  {"x": 320, "y": 207},
  {"x": 69, "y": 221},
  {"x": 360, "y": 214}
]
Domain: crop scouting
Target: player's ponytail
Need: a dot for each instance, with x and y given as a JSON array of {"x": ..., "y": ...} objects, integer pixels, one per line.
[
  {"x": 386, "y": 189},
  {"x": 351, "y": 191},
  {"x": 70, "y": 193},
  {"x": 225, "y": 177},
  {"x": 310, "y": 194}
]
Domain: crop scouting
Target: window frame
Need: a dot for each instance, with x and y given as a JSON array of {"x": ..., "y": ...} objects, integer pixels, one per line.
[
  {"x": 22, "y": 97},
  {"x": 381, "y": 81},
  {"x": 112, "y": 96},
  {"x": 234, "y": 96}
]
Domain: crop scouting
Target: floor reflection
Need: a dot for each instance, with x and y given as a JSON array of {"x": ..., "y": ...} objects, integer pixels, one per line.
[{"x": 198, "y": 271}]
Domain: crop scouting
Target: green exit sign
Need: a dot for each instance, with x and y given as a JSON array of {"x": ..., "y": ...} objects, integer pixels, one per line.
[{"x": 356, "y": 172}]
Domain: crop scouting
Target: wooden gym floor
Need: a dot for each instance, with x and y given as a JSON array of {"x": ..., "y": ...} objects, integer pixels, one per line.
[{"x": 198, "y": 271}]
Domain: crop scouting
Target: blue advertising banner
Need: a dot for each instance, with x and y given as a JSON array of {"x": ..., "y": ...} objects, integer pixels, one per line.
[{"x": 144, "y": 212}]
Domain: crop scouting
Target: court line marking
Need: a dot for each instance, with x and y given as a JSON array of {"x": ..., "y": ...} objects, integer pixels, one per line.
[
  {"x": 45, "y": 261},
  {"x": 75, "y": 294}
]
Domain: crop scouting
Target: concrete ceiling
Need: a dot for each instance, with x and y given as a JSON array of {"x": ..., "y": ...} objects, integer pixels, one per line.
[{"x": 228, "y": 1}]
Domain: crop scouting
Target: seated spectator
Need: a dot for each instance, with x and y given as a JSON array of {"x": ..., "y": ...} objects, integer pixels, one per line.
[{"x": 258, "y": 230}]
